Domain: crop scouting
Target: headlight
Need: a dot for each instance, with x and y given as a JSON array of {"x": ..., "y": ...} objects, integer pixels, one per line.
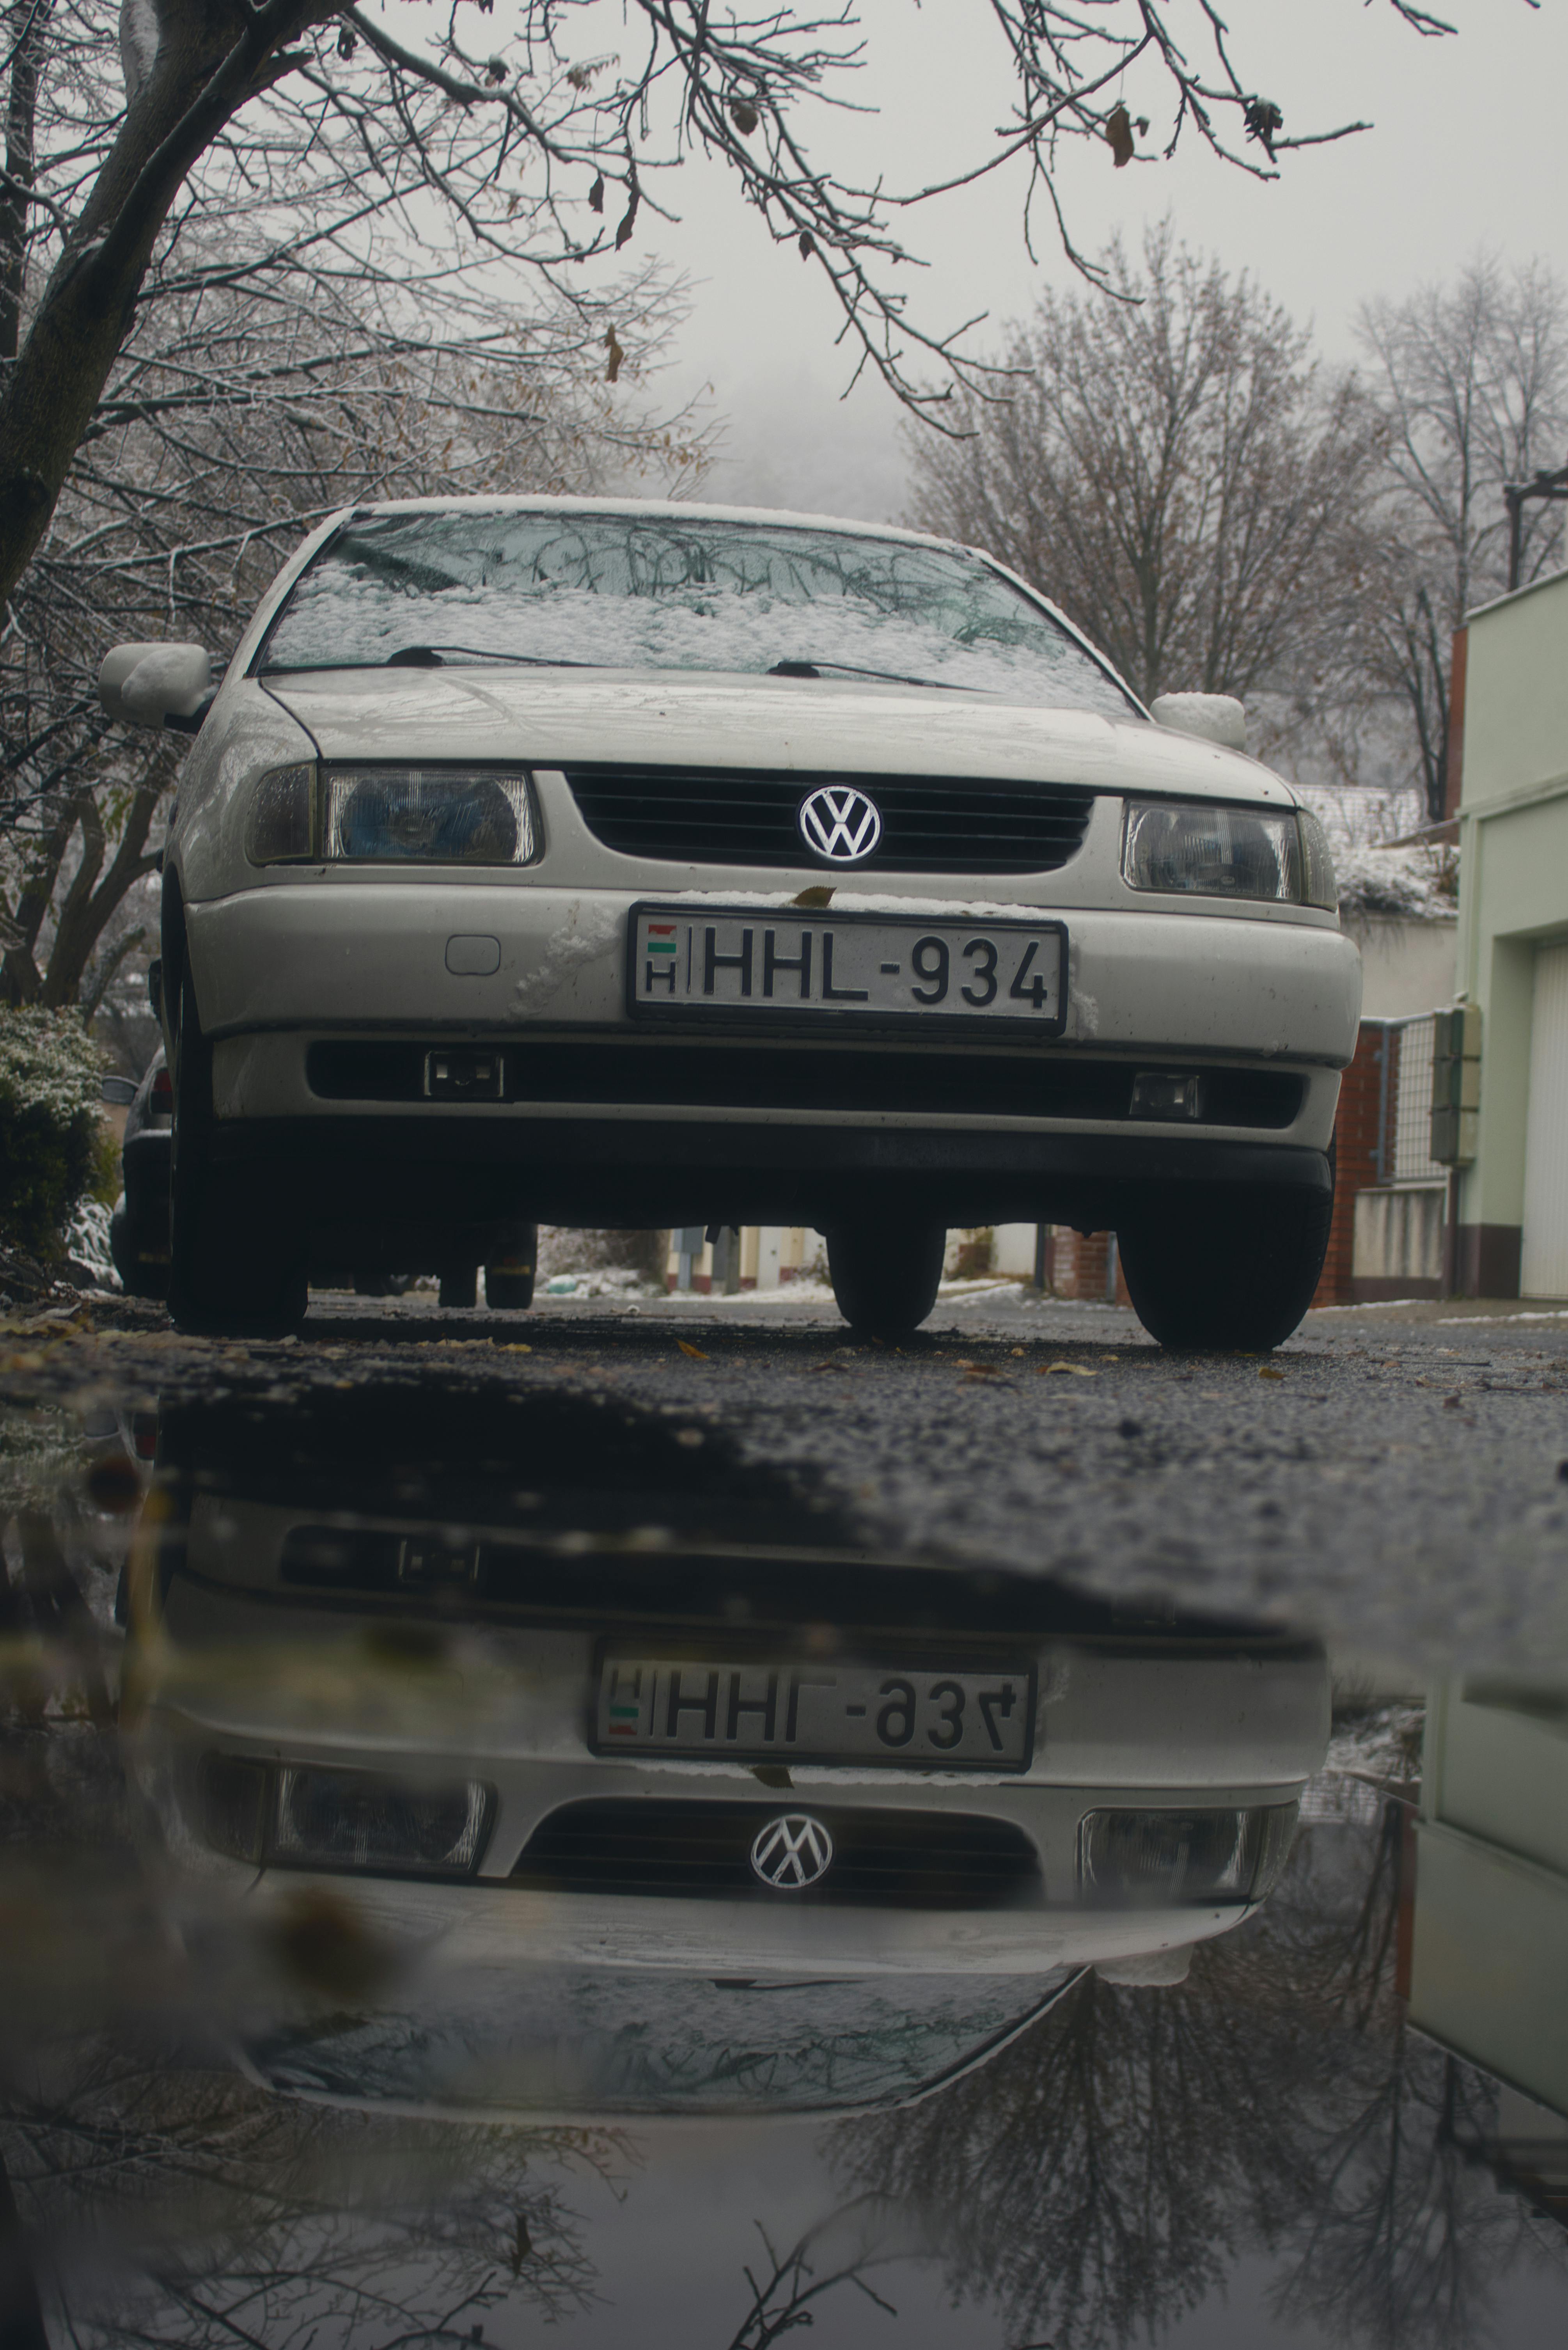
[
  {"x": 302, "y": 1818},
  {"x": 392, "y": 816},
  {"x": 1210, "y": 850},
  {"x": 1182, "y": 1859},
  {"x": 427, "y": 816}
]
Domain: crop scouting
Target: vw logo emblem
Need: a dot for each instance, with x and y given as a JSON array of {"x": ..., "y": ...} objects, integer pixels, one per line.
[
  {"x": 840, "y": 822},
  {"x": 792, "y": 1852}
]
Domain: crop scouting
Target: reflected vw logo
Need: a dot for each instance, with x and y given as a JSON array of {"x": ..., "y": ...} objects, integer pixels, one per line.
[
  {"x": 793, "y": 1851},
  {"x": 840, "y": 822}
]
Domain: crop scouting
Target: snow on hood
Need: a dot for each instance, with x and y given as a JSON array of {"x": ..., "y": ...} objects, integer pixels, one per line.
[{"x": 805, "y": 726}]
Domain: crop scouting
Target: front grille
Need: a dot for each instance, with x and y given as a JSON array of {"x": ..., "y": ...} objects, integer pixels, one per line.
[
  {"x": 707, "y": 816},
  {"x": 773, "y": 1076},
  {"x": 901, "y": 1859}
]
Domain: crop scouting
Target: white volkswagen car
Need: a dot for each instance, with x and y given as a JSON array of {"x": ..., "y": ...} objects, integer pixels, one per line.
[{"x": 641, "y": 864}]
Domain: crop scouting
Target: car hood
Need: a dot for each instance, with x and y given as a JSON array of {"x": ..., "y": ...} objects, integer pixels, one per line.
[{"x": 802, "y": 725}]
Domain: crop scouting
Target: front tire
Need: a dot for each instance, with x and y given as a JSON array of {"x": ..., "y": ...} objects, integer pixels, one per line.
[
  {"x": 234, "y": 1271},
  {"x": 885, "y": 1275},
  {"x": 1228, "y": 1270}
]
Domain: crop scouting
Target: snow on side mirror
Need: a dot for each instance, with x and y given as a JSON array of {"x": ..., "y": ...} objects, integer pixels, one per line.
[
  {"x": 1216, "y": 717},
  {"x": 157, "y": 685}
]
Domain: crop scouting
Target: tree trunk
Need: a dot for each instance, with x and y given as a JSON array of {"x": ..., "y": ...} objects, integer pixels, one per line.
[
  {"x": 28, "y": 23},
  {"x": 211, "y": 58},
  {"x": 86, "y": 911}
]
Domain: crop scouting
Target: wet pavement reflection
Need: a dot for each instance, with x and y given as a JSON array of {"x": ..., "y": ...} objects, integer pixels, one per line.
[{"x": 483, "y": 1858}]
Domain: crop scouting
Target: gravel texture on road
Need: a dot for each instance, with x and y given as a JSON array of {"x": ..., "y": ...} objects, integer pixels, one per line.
[{"x": 1396, "y": 1478}]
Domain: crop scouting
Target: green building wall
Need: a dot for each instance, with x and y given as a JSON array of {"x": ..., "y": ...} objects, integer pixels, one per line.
[{"x": 1513, "y": 894}]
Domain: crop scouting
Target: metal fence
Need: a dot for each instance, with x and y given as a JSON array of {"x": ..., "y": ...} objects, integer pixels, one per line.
[{"x": 1403, "y": 1149}]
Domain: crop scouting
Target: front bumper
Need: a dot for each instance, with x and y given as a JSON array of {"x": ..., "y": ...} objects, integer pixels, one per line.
[
  {"x": 372, "y": 956},
  {"x": 613, "y": 1125}
]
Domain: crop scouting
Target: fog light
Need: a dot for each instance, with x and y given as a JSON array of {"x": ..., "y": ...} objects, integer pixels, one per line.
[
  {"x": 462, "y": 1077},
  {"x": 1165, "y": 1093}
]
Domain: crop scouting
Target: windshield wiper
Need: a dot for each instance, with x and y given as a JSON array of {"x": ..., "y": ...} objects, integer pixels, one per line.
[
  {"x": 432, "y": 656},
  {"x": 848, "y": 669},
  {"x": 428, "y": 657}
]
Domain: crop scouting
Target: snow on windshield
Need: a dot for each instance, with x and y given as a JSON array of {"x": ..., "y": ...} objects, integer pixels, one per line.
[
  {"x": 626, "y": 591},
  {"x": 624, "y": 2040}
]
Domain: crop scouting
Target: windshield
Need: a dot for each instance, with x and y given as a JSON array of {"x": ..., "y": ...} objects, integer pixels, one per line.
[
  {"x": 630, "y": 2039},
  {"x": 660, "y": 592}
]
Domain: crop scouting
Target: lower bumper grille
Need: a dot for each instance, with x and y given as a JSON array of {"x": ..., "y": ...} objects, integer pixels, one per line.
[
  {"x": 756, "y": 1076},
  {"x": 902, "y": 1859}
]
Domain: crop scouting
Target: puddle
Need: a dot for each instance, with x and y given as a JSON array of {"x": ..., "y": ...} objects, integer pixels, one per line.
[{"x": 477, "y": 1860}]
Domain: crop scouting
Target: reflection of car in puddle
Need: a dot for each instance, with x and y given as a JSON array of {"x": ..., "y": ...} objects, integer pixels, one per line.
[{"x": 643, "y": 1787}]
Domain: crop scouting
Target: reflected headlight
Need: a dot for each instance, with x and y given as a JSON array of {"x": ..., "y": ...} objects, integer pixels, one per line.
[
  {"x": 1181, "y": 1859},
  {"x": 1206, "y": 849},
  {"x": 392, "y": 816},
  {"x": 297, "y": 1816}
]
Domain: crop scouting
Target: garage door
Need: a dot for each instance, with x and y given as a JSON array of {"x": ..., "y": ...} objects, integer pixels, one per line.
[{"x": 1543, "y": 1269}]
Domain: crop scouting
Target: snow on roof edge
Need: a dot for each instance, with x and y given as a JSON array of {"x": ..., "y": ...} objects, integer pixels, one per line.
[{"x": 681, "y": 509}]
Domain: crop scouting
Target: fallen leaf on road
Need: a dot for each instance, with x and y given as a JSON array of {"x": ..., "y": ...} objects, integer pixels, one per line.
[
  {"x": 517, "y": 1346},
  {"x": 1078, "y": 1370},
  {"x": 1267, "y": 1374},
  {"x": 695, "y": 1352},
  {"x": 978, "y": 1370}
]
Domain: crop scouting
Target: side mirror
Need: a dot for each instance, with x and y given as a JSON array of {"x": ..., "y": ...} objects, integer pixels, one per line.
[
  {"x": 120, "y": 1092},
  {"x": 157, "y": 685},
  {"x": 1216, "y": 717}
]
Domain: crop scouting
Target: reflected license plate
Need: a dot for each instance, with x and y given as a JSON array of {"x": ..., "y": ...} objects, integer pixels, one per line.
[
  {"x": 766, "y": 964},
  {"x": 810, "y": 1713}
]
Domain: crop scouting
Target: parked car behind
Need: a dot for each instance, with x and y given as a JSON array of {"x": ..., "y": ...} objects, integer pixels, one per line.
[
  {"x": 138, "y": 1228},
  {"x": 625, "y": 863}
]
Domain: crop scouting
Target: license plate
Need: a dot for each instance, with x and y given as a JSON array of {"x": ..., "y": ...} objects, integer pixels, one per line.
[
  {"x": 810, "y": 1713},
  {"x": 782, "y": 967}
]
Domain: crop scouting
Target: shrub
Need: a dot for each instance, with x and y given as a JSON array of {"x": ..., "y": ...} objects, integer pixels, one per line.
[{"x": 50, "y": 1074}]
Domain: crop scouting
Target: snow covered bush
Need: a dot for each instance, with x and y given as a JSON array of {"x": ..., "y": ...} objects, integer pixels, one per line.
[
  {"x": 89, "y": 1262},
  {"x": 50, "y": 1079},
  {"x": 636, "y": 1258}
]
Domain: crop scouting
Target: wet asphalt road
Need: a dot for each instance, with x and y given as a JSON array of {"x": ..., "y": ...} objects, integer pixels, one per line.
[{"x": 1394, "y": 1479}]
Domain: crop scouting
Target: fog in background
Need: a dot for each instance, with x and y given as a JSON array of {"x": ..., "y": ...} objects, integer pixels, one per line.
[{"x": 1467, "y": 153}]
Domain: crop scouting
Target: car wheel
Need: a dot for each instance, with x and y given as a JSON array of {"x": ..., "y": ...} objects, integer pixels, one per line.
[
  {"x": 460, "y": 1288},
  {"x": 139, "y": 1275},
  {"x": 509, "y": 1275},
  {"x": 1228, "y": 1270},
  {"x": 885, "y": 1275},
  {"x": 233, "y": 1270}
]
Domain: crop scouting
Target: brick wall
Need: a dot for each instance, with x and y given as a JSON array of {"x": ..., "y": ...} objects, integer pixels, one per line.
[
  {"x": 1356, "y": 1136},
  {"x": 1077, "y": 1264}
]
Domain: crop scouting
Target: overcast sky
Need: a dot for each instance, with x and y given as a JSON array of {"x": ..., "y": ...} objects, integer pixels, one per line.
[{"x": 1467, "y": 151}]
